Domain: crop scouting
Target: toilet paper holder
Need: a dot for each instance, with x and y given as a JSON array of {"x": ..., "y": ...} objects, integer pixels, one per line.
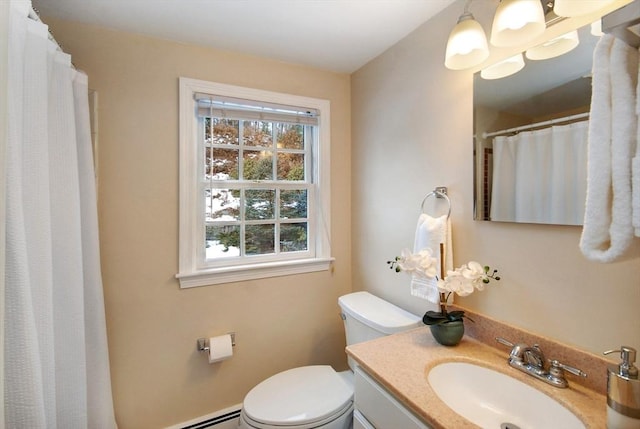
[{"x": 203, "y": 343}]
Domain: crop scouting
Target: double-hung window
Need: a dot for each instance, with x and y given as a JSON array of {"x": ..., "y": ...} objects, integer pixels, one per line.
[{"x": 254, "y": 184}]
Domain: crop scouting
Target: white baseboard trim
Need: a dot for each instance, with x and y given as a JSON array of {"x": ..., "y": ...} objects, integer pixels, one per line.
[{"x": 221, "y": 419}]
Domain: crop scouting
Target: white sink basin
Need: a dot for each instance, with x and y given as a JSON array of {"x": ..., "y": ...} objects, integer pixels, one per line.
[{"x": 491, "y": 399}]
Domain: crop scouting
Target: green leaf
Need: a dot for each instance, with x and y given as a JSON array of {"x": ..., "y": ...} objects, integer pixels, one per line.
[
  {"x": 455, "y": 315},
  {"x": 434, "y": 318}
]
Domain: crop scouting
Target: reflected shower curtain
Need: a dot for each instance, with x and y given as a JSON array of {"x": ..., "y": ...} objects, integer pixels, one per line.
[
  {"x": 56, "y": 364},
  {"x": 540, "y": 176}
]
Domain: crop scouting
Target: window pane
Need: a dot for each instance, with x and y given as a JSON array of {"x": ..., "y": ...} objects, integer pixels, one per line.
[
  {"x": 257, "y": 133},
  {"x": 290, "y": 166},
  {"x": 259, "y": 239},
  {"x": 222, "y": 204},
  {"x": 293, "y": 237},
  {"x": 259, "y": 204},
  {"x": 222, "y": 241},
  {"x": 290, "y": 136},
  {"x": 225, "y": 131},
  {"x": 258, "y": 165},
  {"x": 293, "y": 204},
  {"x": 222, "y": 163}
]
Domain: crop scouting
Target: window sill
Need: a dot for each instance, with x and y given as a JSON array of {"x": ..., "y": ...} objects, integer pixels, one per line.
[{"x": 239, "y": 273}]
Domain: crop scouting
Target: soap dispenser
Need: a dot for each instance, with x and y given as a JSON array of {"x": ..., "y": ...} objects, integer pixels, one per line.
[{"x": 623, "y": 391}]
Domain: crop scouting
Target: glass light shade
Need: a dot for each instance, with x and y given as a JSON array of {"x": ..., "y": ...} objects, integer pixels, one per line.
[
  {"x": 467, "y": 45},
  {"x": 517, "y": 22},
  {"x": 554, "y": 47},
  {"x": 504, "y": 68},
  {"x": 570, "y": 8}
]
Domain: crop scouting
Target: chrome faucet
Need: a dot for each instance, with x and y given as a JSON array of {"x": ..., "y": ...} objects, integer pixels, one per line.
[{"x": 531, "y": 360}]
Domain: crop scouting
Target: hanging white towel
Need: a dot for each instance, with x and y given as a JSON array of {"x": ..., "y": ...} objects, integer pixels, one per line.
[
  {"x": 430, "y": 232},
  {"x": 608, "y": 229}
]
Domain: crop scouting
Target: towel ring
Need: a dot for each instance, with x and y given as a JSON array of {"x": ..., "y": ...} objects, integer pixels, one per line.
[{"x": 438, "y": 193}]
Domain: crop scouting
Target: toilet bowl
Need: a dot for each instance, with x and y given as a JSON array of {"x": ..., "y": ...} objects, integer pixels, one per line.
[{"x": 317, "y": 396}]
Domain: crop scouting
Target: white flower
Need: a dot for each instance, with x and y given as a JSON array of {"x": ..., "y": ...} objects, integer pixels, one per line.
[
  {"x": 464, "y": 280},
  {"x": 474, "y": 272},
  {"x": 422, "y": 263},
  {"x": 457, "y": 283},
  {"x": 406, "y": 261}
]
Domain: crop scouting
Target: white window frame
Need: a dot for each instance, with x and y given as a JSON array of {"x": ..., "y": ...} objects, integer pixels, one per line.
[{"x": 191, "y": 272}]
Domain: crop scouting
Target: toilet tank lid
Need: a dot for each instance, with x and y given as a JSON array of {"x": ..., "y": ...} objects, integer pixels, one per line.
[{"x": 378, "y": 313}]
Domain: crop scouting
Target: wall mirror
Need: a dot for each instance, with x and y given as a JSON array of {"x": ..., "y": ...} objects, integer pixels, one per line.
[{"x": 530, "y": 139}]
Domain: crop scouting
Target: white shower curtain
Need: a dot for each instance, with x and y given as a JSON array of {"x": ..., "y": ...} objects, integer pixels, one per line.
[
  {"x": 540, "y": 176},
  {"x": 56, "y": 365},
  {"x": 503, "y": 187}
]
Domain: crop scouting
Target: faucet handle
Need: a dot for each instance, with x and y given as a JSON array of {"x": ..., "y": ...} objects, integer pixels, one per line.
[
  {"x": 504, "y": 342},
  {"x": 557, "y": 367}
]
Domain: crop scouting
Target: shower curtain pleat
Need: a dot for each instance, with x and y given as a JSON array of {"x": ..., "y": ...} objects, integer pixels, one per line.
[
  {"x": 568, "y": 173},
  {"x": 99, "y": 400},
  {"x": 531, "y": 182},
  {"x": 26, "y": 390},
  {"x": 56, "y": 361},
  {"x": 503, "y": 183},
  {"x": 68, "y": 301}
]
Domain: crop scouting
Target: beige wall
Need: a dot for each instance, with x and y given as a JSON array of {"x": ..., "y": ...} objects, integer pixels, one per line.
[
  {"x": 412, "y": 131},
  {"x": 158, "y": 377}
]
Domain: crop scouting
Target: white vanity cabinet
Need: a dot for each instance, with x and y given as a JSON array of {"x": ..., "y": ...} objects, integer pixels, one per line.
[{"x": 376, "y": 408}]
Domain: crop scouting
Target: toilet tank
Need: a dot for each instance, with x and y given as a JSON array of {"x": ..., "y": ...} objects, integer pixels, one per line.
[{"x": 367, "y": 317}]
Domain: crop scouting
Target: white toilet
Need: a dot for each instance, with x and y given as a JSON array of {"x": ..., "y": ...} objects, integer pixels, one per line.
[{"x": 318, "y": 396}]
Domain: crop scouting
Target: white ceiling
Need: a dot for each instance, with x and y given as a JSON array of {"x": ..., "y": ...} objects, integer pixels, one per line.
[{"x": 337, "y": 35}]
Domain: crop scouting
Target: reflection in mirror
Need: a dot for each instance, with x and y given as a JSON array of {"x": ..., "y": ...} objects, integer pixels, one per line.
[{"x": 530, "y": 139}]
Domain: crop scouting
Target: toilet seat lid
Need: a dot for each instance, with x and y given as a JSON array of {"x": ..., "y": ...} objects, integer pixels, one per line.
[{"x": 298, "y": 396}]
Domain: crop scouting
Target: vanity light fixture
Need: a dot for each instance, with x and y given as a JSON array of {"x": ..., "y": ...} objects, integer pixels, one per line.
[
  {"x": 555, "y": 47},
  {"x": 570, "y": 8},
  {"x": 467, "y": 44},
  {"x": 516, "y": 22},
  {"x": 503, "y": 68}
]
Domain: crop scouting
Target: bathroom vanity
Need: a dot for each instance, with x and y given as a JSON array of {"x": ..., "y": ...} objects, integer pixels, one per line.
[
  {"x": 392, "y": 388},
  {"x": 375, "y": 407}
]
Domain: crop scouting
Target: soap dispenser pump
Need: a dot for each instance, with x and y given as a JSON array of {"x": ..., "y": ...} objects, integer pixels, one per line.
[{"x": 623, "y": 391}]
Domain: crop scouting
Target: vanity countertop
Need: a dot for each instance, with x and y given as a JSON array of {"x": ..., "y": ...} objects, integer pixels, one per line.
[{"x": 402, "y": 361}]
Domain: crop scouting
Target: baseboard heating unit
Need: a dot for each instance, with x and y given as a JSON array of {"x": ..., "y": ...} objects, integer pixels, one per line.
[{"x": 223, "y": 419}]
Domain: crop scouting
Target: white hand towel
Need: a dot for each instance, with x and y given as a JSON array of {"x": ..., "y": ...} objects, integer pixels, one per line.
[
  {"x": 430, "y": 232},
  {"x": 608, "y": 230}
]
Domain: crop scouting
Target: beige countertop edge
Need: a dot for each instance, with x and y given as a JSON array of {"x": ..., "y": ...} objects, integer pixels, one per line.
[{"x": 402, "y": 361}]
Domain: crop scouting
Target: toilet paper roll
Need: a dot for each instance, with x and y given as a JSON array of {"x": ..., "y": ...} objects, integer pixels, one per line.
[{"x": 220, "y": 348}]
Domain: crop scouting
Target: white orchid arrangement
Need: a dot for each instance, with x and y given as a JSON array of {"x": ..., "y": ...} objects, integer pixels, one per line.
[{"x": 462, "y": 281}]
